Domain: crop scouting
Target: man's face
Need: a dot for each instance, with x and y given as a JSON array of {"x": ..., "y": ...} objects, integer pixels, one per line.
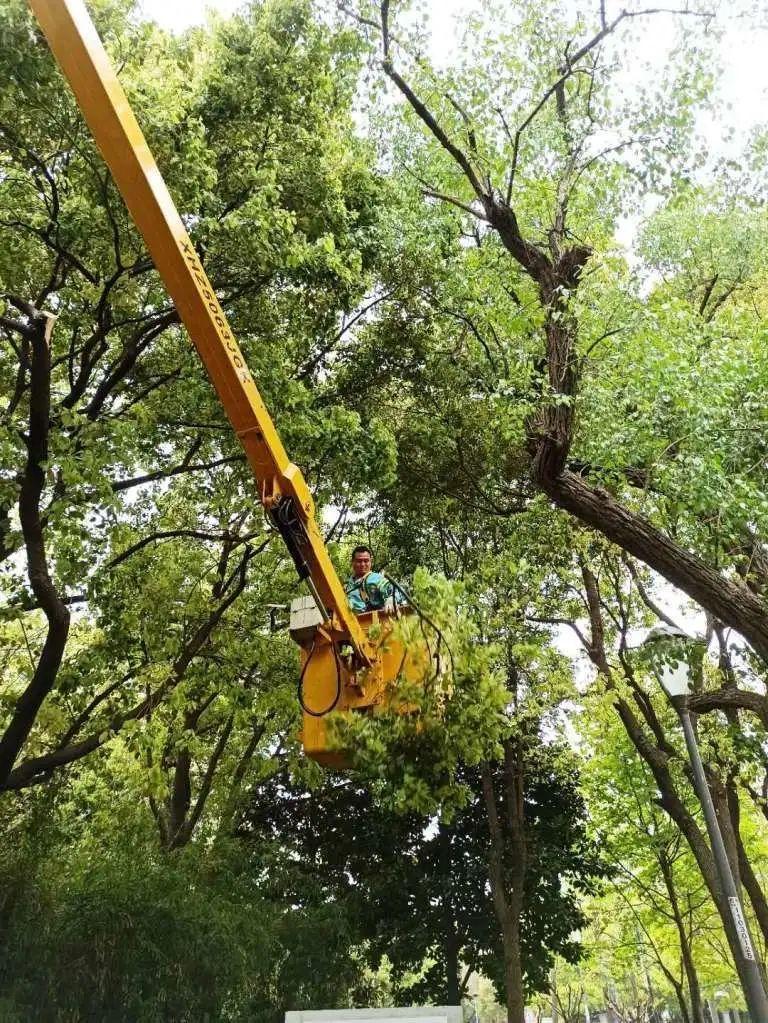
[{"x": 361, "y": 564}]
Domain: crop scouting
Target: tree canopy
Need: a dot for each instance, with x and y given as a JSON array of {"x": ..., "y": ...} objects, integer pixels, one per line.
[{"x": 553, "y": 437}]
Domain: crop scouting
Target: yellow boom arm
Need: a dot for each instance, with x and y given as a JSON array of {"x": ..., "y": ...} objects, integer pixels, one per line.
[{"x": 284, "y": 493}]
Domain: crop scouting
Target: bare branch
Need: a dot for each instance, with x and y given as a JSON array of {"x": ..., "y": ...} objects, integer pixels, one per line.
[
  {"x": 645, "y": 596},
  {"x": 432, "y": 194},
  {"x": 423, "y": 111},
  {"x": 169, "y": 534},
  {"x": 162, "y": 474},
  {"x": 539, "y": 620},
  {"x": 603, "y": 337},
  {"x": 307, "y": 370}
]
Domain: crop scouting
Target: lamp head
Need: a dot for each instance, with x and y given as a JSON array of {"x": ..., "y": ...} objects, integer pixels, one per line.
[
  {"x": 669, "y": 645},
  {"x": 664, "y": 633}
]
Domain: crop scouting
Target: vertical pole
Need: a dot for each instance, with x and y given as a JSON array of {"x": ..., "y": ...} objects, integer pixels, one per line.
[{"x": 749, "y": 972}]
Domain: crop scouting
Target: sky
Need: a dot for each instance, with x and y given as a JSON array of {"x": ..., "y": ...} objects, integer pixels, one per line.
[
  {"x": 180, "y": 14},
  {"x": 743, "y": 88},
  {"x": 743, "y": 49}
]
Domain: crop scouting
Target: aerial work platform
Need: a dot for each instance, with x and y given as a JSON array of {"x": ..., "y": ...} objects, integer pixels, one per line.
[{"x": 353, "y": 661}]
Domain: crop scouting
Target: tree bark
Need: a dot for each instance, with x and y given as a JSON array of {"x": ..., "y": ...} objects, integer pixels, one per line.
[
  {"x": 179, "y": 799},
  {"x": 732, "y": 603}
]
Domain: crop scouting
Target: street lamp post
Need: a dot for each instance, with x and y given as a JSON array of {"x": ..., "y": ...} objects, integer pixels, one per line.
[{"x": 675, "y": 677}]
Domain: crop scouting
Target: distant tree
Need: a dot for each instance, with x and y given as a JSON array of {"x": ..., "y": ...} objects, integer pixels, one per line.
[
  {"x": 426, "y": 891},
  {"x": 97, "y": 921}
]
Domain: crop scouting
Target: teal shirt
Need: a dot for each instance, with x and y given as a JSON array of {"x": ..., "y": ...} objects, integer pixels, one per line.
[{"x": 368, "y": 593}]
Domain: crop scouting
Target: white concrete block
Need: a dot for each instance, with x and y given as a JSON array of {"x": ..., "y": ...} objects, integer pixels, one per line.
[{"x": 410, "y": 1014}]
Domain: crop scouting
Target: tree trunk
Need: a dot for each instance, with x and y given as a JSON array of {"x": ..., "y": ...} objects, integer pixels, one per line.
[
  {"x": 685, "y": 1013},
  {"x": 513, "y": 973},
  {"x": 450, "y": 938},
  {"x": 507, "y": 905},
  {"x": 179, "y": 800},
  {"x": 691, "y": 976}
]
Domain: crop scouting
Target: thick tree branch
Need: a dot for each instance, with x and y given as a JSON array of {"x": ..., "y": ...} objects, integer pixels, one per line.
[
  {"x": 56, "y": 612},
  {"x": 728, "y": 698},
  {"x": 163, "y": 474},
  {"x": 730, "y": 602}
]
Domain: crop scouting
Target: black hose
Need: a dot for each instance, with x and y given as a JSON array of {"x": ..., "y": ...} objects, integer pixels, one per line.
[
  {"x": 422, "y": 618},
  {"x": 337, "y": 697},
  {"x": 285, "y": 519}
]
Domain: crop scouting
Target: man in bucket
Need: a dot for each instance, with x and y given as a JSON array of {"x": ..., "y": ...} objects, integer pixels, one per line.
[{"x": 368, "y": 590}]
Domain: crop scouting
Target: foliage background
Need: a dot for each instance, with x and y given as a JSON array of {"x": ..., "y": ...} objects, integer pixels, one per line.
[{"x": 166, "y": 854}]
